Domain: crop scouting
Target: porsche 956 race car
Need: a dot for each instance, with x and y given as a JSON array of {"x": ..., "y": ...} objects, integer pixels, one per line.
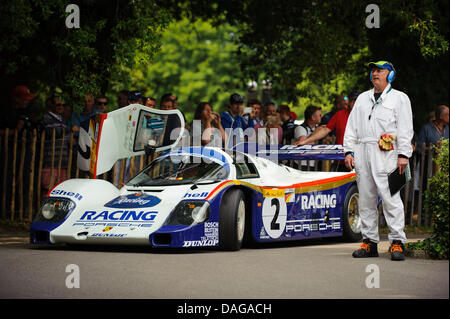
[{"x": 194, "y": 196}]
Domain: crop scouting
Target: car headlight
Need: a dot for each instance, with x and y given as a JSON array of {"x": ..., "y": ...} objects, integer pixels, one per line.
[
  {"x": 54, "y": 210},
  {"x": 189, "y": 213}
]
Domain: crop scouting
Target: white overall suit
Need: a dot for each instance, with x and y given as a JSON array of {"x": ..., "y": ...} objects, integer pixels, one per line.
[{"x": 391, "y": 114}]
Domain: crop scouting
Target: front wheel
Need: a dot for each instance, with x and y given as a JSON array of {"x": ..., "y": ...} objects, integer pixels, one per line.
[
  {"x": 350, "y": 215},
  {"x": 232, "y": 220}
]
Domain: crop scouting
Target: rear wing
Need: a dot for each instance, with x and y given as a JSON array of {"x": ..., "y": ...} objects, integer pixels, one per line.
[
  {"x": 277, "y": 152},
  {"x": 126, "y": 132}
]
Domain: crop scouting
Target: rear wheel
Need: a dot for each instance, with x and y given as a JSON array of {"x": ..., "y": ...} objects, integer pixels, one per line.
[
  {"x": 232, "y": 220},
  {"x": 350, "y": 216}
]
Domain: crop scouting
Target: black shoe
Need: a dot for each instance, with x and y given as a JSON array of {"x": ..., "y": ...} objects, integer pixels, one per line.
[
  {"x": 367, "y": 249},
  {"x": 397, "y": 250}
]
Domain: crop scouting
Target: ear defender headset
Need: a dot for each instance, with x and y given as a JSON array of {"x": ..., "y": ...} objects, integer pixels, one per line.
[{"x": 383, "y": 65}]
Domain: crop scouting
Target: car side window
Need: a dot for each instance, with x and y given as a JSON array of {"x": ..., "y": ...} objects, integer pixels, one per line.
[{"x": 246, "y": 169}]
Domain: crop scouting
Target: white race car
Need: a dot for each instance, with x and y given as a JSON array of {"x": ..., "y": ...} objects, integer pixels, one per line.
[{"x": 193, "y": 196}]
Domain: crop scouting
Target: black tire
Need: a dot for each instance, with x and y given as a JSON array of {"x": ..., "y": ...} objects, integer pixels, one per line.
[
  {"x": 350, "y": 216},
  {"x": 231, "y": 221}
]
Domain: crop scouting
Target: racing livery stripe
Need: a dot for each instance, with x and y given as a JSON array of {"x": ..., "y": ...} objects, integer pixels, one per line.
[
  {"x": 324, "y": 184},
  {"x": 225, "y": 184},
  {"x": 319, "y": 185}
]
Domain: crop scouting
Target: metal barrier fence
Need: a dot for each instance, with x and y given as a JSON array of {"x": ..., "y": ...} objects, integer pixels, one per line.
[{"x": 34, "y": 162}]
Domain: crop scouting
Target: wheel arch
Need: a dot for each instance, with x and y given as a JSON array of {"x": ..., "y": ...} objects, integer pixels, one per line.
[{"x": 250, "y": 196}]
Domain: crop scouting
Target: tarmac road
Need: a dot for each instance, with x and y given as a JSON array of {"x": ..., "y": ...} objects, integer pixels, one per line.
[{"x": 295, "y": 270}]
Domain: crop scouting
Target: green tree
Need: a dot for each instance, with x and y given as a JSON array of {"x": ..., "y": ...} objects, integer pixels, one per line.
[
  {"x": 290, "y": 42},
  {"x": 36, "y": 47},
  {"x": 197, "y": 62}
]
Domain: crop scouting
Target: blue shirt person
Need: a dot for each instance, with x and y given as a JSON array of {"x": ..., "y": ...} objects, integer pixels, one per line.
[{"x": 435, "y": 130}]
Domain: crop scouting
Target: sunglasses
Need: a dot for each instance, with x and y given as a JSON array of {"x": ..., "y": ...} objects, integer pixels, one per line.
[
  {"x": 60, "y": 104},
  {"x": 102, "y": 103}
]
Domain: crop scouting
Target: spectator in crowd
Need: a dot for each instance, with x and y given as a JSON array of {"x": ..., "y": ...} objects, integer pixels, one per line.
[
  {"x": 19, "y": 115},
  {"x": 166, "y": 102},
  {"x": 122, "y": 99},
  {"x": 135, "y": 97},
  {"x": 271, "y": 130},
  {"x": 49, "y": 103},
  {"x": 430, "y": 134},
  {"x": 435, "y": 130},
  {"x": 150, "y": 102},
  {"x": 337, "y": 123},
  {"x": 67, "y": 115},
  {"x": 100, "y": 104},
  {"x": 257, "y": 114},
  {"x": 88, "y": 112},
  {"x": 207, "y": 126},
  {"x": 54, "y": 117},
  {"x": 340, "y": 102},
  {"x": 268, "y": 110},
  {"x": 175, "y": 102},
  {"x": 231, "y": 118},
  {"x": 56, "y": 152},
  {"x": 313, "y": 116},
  {"x": 288, "y": 125},
  {"x": 352, "y": 99},
  {"x": 249, "y": 116}
]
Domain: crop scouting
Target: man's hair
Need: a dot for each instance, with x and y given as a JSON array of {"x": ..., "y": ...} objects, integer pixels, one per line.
[
  {"x": 166, "y": 98},
  {"x": 283, "y": 108},
  {"x": 339, "y": 99},
  {"x": 439, "y": 110},
  {"x": 253, "y": 101},
  {"x": 310, "y": 110}
]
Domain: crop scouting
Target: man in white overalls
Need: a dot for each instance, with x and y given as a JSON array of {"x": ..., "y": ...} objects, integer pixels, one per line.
[{"x": 378, "y": 140}]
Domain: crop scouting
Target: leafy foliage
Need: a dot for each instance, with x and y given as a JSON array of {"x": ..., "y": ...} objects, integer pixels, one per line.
[
  {"x": 197, "y": 63},
  {"x": 38, "y": 49},
  {"x": 437, "y": 204},
  {"x": 290, "y": 42}
]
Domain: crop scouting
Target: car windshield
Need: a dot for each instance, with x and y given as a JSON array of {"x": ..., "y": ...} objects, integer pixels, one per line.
[{"x": 176, "y": 170}]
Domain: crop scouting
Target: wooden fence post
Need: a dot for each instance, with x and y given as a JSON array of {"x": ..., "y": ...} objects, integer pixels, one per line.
[
  {"x": 32, "y": 171},
  {"x": 60, "y": 156},
  {"x": 419, "y": 204},
  {"x": 50, "y": 185},
  {"x": 5, "y": 171},
  {"x": 39, "y": 177},
  {"x": 413, "y": 182},
  {"x": 21, "y": 166},
  {"x": 13, "y": 184},
  {"x": 69, "y": 159},
  {"x": 431, "y": 154}
]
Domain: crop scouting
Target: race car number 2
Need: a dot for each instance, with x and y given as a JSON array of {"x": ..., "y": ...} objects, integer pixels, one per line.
[{"x": 274, "y": 214}]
